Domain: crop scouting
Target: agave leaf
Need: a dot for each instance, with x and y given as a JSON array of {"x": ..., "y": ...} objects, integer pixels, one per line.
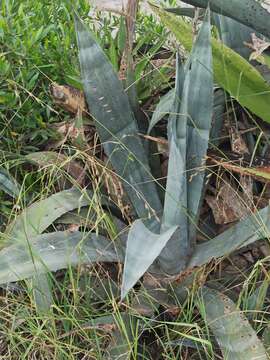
[
  {"x": 232, "y": 72},
  {"x": 8, "y": 184},
  {"x": 55, "y": 251},
  {"x": 234, "y": 34},
  {"x": 248, "y": 12},
  {"x": 200, "y": 111},
  {"x": 33, "y": 221},
  {"x": 143, "y": 247},
  {"x": 188, "y": 130},
  {"x": 245, "y": 232},
  {"x": 40, "y": 215},
  {"x": 116, "y": 125},
  {"x": 43, "y": 296},
  {"x": 122, "y": 327},
  {"x": 163, "y": 108},
  {"x": 233, "y": 332}
]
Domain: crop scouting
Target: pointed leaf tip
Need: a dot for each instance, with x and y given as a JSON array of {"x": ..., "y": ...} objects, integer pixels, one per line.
[{"x": 143, "y": 247}]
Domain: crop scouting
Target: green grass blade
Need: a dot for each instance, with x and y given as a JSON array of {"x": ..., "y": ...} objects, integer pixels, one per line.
[
  {"x": 248, "y": 12},
  {"x": 55, "y": 251},
  {"x": 232, "y": 72},
  {"x": 233, "y": 332},
  {"x": 116, "y": 125}
]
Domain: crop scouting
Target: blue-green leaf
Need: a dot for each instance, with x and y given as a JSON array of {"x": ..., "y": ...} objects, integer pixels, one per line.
[
  {"x": 245, "y": 232},
  {"x": 163, "y": 108},
  {"x": 248, "y": 12},
  {"x": 55, "y": 251},
  {"x": 143, "y": 247},
  {"x": 116, "y": 126},
  {"x": 233, "y": 332},
  {"x": 188, "y": 132}
]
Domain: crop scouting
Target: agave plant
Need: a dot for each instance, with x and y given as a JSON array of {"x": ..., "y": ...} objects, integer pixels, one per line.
[{"x": 162, "y": 239}]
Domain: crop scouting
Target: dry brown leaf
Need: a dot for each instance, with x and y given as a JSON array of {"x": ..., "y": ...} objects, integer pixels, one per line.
[
  {"x": 228, "y": 206},
  {"x": 69, "y": 98},
  {"x": 258, "y": 45}
]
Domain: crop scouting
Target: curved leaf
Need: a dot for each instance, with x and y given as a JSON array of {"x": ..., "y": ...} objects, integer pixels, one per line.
[
  {"x": 116, "y": 126},
  {"x": 248, "y": 12},
  {"x": 232, "y": 72},
  {"x": 40, "y": 215},
  {"x": 55, "y": 251},
  {"x": 234, "y": 334}
]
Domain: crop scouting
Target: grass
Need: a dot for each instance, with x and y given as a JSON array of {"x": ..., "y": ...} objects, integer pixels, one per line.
[{"x": 38, "y": 48}]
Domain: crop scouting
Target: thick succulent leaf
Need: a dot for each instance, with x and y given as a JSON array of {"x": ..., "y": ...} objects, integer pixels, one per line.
[
  {"x": 116, "y": 125},
  {"x": 40, "y": 215},
  {"x": 234, "y": 35},
  {"x": 143, "y": 247},
  {"x": 163, "y": 108},
  {"x": 55, "y": 251},
  {"x": 8, "y": 184},
  {"x": 188, "y": 130},
  {"x": 232, "y": 72},
  {"x": 248, "y": 12},
  {"x": 219, "y": 110},
  {"x": 233, "y": 332},
  {"x": 200, "y": 111},
  {"x": 245, "y": 232}
]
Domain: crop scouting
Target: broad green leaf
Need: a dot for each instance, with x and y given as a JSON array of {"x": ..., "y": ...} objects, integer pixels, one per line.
[
  {"x": 232, "y": 72},
  {"x": 116, "y": 126},
  {"x": 55, "y": 251},
  {"x": 143, "y": 247},
  {"x": 248, "y": 12},
  {"x": 245, "y": 232},
  {"x": 163, "y": 108},
  {"x": 233, "y": 332},
  {"x": 8, "y": 184}
]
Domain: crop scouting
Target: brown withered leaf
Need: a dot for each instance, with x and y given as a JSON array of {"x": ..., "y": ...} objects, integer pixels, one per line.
[
  {"x": 69, "y": 98},
  {"x": 59, "y": 161},
  {"x": 228, "y": 205},
  {"x": 258, "y": 46}
]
